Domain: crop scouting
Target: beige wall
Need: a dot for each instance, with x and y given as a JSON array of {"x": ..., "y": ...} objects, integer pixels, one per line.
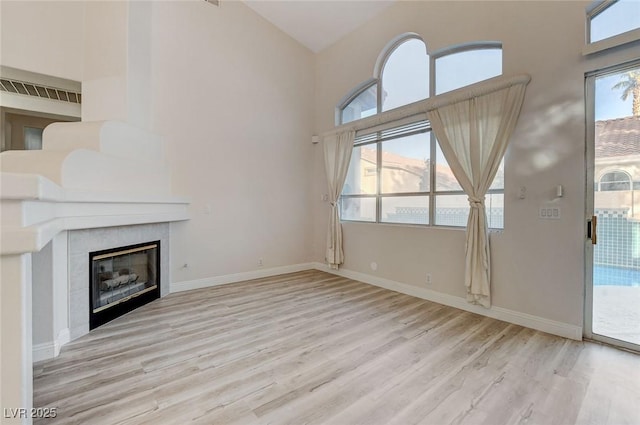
[
  {"x": 43, "y": 36},
  {"x": 537, "y": 264},
  {"x": 233, "y": 99},
  {"x": 42, "y": 295}
]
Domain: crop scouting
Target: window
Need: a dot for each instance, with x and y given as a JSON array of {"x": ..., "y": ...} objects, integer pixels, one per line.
[
  {"x": 607, "y": 19},
  {"x": 462, "y": 68},
  {"x": 399, "y": 189},
  {"x": 402, "y": 77},
  {"x": 457, "y": 67},
  {"x": 398, "y": 174},
  {"x": 405, "y": 76},
  {"x": 615, "y": 180},
  {"x": 363, "y": 105}
]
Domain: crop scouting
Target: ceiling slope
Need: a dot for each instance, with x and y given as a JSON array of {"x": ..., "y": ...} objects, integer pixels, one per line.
[{"x": 318, "y": 23}]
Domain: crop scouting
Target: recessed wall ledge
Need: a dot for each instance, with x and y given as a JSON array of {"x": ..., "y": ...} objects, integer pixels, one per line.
[
  {"x": 36, "y": 187},
  {"x": 103, "y": 174}
]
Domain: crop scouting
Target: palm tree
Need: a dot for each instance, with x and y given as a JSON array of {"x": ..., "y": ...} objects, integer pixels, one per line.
[{"x": 630, "y": 84}]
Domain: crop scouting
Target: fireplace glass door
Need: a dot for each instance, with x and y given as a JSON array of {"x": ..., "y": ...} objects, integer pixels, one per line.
[{"x": 123, "y": 279}]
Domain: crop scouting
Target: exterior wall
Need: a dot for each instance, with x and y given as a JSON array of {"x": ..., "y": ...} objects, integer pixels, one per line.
[
  {"x": 629, "y": 199},
  {"x": 537, "y": 265},
  {"x": 618, "y": 239},
  {"x": 618, "y": 214}
]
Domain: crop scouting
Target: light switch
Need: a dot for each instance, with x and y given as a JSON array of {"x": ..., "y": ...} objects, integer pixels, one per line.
[
  {"x": 522, "y": 192},
  {"x": 549, "y": 213}
]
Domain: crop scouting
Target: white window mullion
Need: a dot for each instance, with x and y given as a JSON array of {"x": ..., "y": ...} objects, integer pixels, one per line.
[
  {"x": 379, "y": 182},
  {"x": 432, "y": 181},
  {"x": 432, "y": 139}
]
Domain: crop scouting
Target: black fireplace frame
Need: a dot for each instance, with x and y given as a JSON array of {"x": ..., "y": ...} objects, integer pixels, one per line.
[{"x": 109, "y": 314}]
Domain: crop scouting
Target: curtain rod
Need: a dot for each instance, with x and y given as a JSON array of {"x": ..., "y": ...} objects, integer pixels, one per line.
[{"x": 422, "y": 106}]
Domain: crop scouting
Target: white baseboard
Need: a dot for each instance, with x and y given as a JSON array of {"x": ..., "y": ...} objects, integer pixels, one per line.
[
  {"x": 237, "y": 277},
  {"x": 64, "y": 336},
  {"x": 523, "y": 319},
  {"x": 50, "y": 350},
  {"x": 44, "y": 351}
]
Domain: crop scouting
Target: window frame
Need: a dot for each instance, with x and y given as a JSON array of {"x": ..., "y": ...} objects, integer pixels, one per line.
[
  {"x": 452, "y": 50},
  {"x": 353, "y": 95},
  {"x": 606, "y": 173},
  {"x": 378, "y": 70},
  {"x": 595, "y": 9},
  {"x": 432, "y": 193}
]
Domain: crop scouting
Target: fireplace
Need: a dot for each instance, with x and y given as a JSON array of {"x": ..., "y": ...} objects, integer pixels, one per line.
[{"x": 121, "y": 280}]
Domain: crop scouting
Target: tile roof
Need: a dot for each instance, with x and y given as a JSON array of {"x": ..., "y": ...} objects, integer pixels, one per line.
[
  {"x": 444, "y": 175},
  {"x": 618, "y": 137}
]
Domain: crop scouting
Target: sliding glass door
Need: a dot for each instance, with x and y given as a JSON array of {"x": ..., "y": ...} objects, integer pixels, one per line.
[{"x": 613, "y": 207}]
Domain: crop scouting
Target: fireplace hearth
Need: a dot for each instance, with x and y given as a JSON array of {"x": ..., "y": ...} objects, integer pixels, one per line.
[{"x": 121, "y": 280}]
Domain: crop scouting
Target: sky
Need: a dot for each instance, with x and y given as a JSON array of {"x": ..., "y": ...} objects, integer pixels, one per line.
[
  {"x": 608, "y": 102},
  {"x": 620, "y": 17}
]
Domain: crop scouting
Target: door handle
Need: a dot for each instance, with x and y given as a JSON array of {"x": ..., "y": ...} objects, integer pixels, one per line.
[{"x": 592, "y": 229}]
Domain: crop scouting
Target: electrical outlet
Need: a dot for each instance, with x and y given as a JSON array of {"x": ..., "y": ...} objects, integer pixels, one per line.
[{"x": 429, "y": 279}]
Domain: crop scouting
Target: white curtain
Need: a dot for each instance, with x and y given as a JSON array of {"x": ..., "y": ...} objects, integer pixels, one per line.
[
  {"x": 337, "y": 154},
  {"x": 473, "y": 133}
]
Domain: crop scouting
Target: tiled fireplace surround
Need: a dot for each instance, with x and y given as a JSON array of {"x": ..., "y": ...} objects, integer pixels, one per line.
[{"x": 82, "y": 242}]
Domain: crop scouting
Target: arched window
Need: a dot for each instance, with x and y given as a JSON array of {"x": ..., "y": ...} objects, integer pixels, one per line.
[
  {"x": 606, "y": 19},
  {"x": 615, "y": 180},
  {"x": 462, "y": 65},
  {"x": 362, "y": 104},
  {"x": 401, "y": 77},
  {"x": 398, "y": 174},
  {"x": 405, "y": 74}
]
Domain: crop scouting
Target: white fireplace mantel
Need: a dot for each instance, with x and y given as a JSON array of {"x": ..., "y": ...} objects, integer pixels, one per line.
[
  {"x": 88, "y": 175},
  {"x": 34, "y": 210}
]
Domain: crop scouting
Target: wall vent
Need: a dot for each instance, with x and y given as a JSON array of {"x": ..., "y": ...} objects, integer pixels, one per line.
[{"x": 38, "y": 90}]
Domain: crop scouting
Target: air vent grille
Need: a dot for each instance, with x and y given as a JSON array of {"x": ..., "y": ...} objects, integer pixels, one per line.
[{"x": 37, "y": 90}]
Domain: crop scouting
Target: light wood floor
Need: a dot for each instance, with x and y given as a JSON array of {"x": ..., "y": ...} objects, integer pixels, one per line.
[{"x": 313, "y": 348}]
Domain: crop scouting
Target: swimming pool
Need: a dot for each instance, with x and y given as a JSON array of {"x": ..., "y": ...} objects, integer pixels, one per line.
[{"x": 615, "y": 276}]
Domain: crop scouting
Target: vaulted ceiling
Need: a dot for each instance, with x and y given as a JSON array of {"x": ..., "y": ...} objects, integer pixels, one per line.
[{"x": 318, "y": 23}]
